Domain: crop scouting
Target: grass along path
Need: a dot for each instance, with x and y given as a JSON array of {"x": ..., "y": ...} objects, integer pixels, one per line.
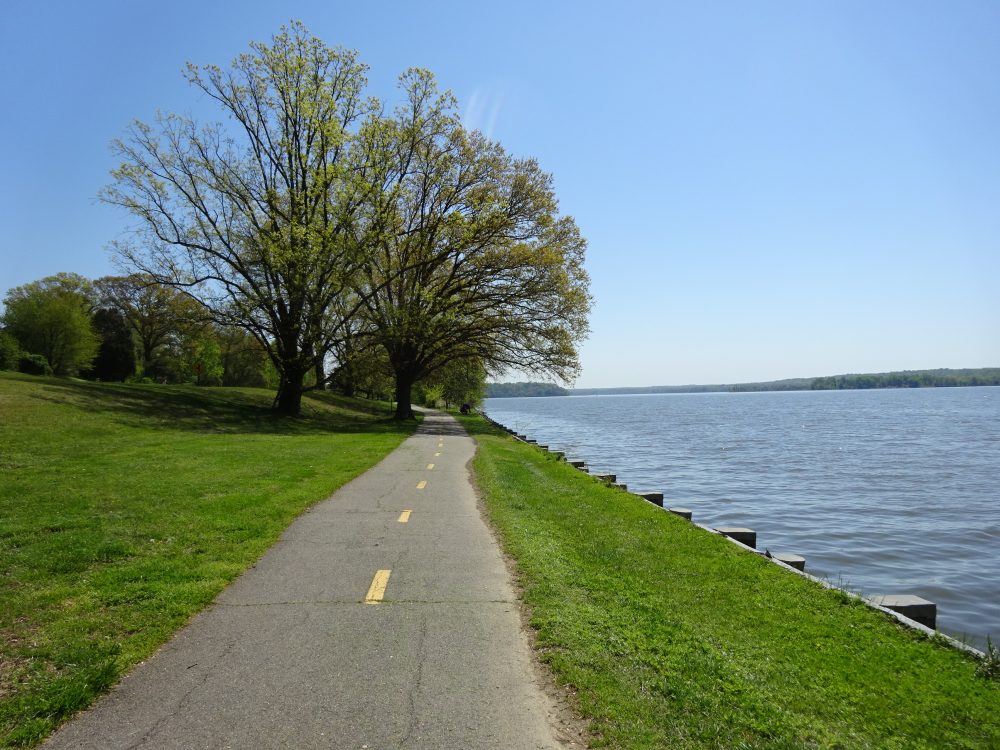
[
  {"x": 125, "y": 509},
  {"x": 675, "y": 638}
]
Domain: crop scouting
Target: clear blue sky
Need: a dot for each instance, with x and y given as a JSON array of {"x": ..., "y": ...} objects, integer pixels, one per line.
[{"x": 769, "y": 189}]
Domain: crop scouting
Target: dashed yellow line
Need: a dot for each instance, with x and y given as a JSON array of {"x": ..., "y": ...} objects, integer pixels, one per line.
[
  {"x": 404, "y": 516},
  {"x": 437, "y": 454},
  {"x": 430, "y": 467},
  {"x": 377, "y": 590},
  {"x": 421, "y": 484}
]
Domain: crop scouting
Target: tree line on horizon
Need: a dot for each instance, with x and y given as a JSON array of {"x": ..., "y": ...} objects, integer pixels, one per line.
[
  {"x": 943, "y": 378},
  {"x": 940, "y": 378},
  {"x": 338, "y": 241},
  {"x": 517, "y": 390}
]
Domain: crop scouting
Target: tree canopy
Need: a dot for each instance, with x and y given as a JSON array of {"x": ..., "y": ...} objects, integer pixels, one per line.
[
  {"x": 467, "y": 258},
  {"x": 253, "y": 222},
  {"x": 322, "y": 226},
  {"x": 52, "y": 318}
]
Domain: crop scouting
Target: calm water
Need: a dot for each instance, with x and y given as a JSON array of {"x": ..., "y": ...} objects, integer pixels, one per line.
[{"x": 882, "y": 491}]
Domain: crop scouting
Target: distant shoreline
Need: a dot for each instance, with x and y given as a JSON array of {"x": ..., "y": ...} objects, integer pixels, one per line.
[{"x": 941, "y": 378}]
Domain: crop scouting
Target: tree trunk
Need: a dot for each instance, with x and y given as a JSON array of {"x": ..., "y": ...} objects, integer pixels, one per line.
[
  {"x": 289, "y": 398},
  {"x": 404, "y": 384},
  {"x": 147, "y": 357},
  {"x": 320, "y": 376}
]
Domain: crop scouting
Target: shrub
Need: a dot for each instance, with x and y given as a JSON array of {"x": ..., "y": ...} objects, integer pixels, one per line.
[
  {"x": 989, "y": 667},
  {"x": 34, "y": 364},
  {"x": 433, "y": 395}
]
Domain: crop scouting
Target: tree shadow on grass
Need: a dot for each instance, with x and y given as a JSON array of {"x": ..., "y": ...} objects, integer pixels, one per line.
[
  {"x": 475, "y": 424},
  {"x": 219, "y": 410}
]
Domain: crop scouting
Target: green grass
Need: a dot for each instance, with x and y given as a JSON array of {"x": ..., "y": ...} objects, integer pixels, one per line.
[
  {"x": 676, "y": 638},
  {"x": 125, "y": 509}
]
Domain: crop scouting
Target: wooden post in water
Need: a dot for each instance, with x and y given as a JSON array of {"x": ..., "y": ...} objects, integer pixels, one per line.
[
  {"x": 740, "y": 534},
  {"x": 795, "y": 561},
  {"x": 916, "y": 608},
  {"x": 684, "y": 513},
  {"x": 656, "y": 498}
]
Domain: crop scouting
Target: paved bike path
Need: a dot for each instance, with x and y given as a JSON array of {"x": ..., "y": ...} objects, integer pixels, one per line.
[{"x": 291, "y": 656}]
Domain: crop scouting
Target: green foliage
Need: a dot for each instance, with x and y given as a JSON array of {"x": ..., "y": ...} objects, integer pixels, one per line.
[
  {"x": 272, "y": 250},
  {"x": 51, "y": 318},
  {"x": 34, "y": 364},
  {"x": 201, "y": 361},
  {"x": 433, "y": 395},
  {"x": 243, "y": 359},
  {"x": 463, "y": 381},
  {"x": 160, "y": 318},
  {"x": 362, "y": 368},
  {"x": 116, "y": 356},
  {"x": 674, "y": 638},
  {"x": 10, "y": 351},
  {"x": 346, "y": 227},
  {"x": 989, "y": 667},
  {"x": 127, "y": 508},
  {"x": 910, "y": 379},
  {"x": 455, "y": 383},
  {"x": 471, "y": 259}
]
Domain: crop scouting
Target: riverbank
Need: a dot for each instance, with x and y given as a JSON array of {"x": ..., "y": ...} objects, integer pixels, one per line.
[
  {"x": 882, "y": 491},
  {"x": 125, "y": 509},
  {"x": 673, "y": 637}
]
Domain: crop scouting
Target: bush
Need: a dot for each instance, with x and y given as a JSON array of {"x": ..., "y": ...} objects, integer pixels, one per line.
[
  {"x": 10, "y": 351},
  {"x": 34, "y": 364},
  {"x": 433, "y": 395}
]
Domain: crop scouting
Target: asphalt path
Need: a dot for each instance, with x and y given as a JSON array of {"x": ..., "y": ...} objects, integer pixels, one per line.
[{"x": 314, "y": 647}]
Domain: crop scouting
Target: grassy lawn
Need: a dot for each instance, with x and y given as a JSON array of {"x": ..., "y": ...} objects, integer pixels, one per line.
[
  {"x": 124, "y": 509},
  {"x": 675, "y": 638}
]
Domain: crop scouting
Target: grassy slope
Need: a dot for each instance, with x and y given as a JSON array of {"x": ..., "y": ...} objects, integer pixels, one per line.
[
  {"x": 676, "y": 638},
  {"x": 124, "y": 509}
]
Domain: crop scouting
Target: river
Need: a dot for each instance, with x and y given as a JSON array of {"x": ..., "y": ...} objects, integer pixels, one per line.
[{"x": 882, "y": 491}]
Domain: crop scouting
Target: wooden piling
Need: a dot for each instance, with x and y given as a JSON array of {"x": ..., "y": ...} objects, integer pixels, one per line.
[
  {"x": 916, "y": 608},
  {"x": 739, "y": 534},
  {"x": 795, "y": 561},
  {"x": 656, "y": 498}
]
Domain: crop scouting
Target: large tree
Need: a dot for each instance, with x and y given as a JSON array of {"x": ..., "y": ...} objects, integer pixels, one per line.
[
  {"x": 252, "y": 220},
  {"x": 158, "y": 315},
  {"x": 467, "y": 258},
  {"x": 52, "y": 317}
]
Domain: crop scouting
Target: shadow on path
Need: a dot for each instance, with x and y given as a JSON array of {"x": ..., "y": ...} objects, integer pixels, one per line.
[{"x": 438, "y": 423}]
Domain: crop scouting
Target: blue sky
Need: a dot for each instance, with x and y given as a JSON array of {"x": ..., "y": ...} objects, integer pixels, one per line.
[{"x": 769, "y": 189}]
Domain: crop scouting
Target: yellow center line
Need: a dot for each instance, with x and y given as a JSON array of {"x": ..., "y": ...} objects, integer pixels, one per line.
[
  {"x": 436, "y": 455},
  {"x": 421, "y": 484},
  {"x": 430, "y": 467},
  {"x": 404, "y": 516},
  {"x": 377, "y": 590}
]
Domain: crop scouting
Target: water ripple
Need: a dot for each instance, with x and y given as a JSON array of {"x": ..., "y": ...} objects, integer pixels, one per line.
[{"x": 890, "y": 491}]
